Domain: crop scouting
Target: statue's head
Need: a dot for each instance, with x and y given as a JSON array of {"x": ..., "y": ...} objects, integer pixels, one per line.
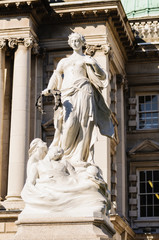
[
  {"x": 37, "y": 146},
  {"x": 55, "y": 153},
  {"x": 78, "y": 36}
]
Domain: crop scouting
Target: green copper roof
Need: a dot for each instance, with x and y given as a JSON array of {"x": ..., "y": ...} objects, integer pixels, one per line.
[{"x": 141, "y": 8}]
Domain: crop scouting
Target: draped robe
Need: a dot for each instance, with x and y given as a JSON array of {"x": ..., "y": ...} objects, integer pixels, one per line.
[{"x": 83, "y": 110}]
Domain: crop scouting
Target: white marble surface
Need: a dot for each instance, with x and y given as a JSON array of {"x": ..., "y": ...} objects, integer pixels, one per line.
[
  {"x": 63, "y": 179},
  {"x": 80, "y": 80},
  {"x": 54, "y": 186}
]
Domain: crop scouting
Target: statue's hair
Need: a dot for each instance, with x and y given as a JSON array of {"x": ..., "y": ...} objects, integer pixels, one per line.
[
  {"x": 33, "y": 146},
  {"x": 81, "y": 37}
]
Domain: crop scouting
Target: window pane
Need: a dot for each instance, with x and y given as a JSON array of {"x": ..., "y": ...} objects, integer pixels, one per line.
[
  {"x": 154, "y": 115},
  {"x": 142, "y": 176},
  {"x": 143, "y": 211},
  {"x": 148, "y": 121},
  {"x": 148, "y": 107},
  {"x": 149, "y": 199},
  {"x": 141, "y": 107},
  {"x": 149, "y": 193},
  {"x": 154, "y": 98},
  {"x": 156, "y": 199},
  {"x": 142, "y": 187},
  {"x": 149, "y": 188},
  {"x": 154, "y": 106},
  {"x": 156, "y": 211},
  {"x": 147, "y": 117},
  {"x": 143, "y": 199},
  {"x": 155, "y": 121},
  {"x": 141, "y": 99},
  {"x": 156, "y": 176},
  {"x": 142, "y": 116},
  {"x": 149, "y": 211},
  {"x": 156, "y": 187},
  {"x": 148, "y": 98},
  {"x": 149, "y": 175}
]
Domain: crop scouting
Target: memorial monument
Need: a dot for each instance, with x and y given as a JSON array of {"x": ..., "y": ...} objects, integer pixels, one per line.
[{"x": 65, "y": 194}]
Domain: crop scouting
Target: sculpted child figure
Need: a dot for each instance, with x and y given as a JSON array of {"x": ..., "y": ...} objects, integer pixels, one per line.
[{"x": 80, "y": 80}]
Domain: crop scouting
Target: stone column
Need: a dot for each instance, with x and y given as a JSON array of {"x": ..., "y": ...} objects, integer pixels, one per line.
[
  {"x": 20, "y": 118},
  {"x": 2, "y": 73},
  {"x": 102, "y": 147},
  {"x": 121, "y": 151}
]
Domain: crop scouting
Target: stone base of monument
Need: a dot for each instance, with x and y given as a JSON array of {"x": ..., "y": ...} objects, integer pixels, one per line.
[{"x": 49, "y": 227}]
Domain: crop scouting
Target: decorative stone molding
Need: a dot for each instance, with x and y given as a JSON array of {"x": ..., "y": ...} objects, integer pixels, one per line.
[
  {"x": 91, "y": 49},
  {"x": 2, "y": 43},
  {"x": 12, "y": 42},
  {"x": 147, "y": 30},
  {"x": 28, "y": 42},
  {"x": 122, "y": 226},
  {"x": 106, "y": 48}
]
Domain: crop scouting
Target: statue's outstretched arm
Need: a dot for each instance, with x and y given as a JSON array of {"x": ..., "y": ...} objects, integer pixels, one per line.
[{"x": 55, "y": 80}]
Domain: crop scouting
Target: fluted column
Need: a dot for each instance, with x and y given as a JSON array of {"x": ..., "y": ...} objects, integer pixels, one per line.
[
  {"x": 2, "y": 70},
  {"x": 20, "y": 118}
]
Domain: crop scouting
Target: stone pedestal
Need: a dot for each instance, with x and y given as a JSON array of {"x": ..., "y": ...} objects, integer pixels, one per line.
[{"x": 64, "y": 228}]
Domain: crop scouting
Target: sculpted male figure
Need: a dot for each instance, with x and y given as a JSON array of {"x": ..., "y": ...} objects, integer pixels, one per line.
[{"x": 80, "y": 80}]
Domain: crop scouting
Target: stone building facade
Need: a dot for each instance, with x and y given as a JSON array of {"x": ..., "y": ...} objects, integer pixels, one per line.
[{"x": 33, "y": 38}]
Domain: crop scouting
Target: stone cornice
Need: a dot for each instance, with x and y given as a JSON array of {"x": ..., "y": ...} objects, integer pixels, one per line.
[
  {"x": 38, "y": 8},
  {"x": 17, "y": 3},
  {"x": 96, "y": 11},
  {"x": 122, "y": 226}
]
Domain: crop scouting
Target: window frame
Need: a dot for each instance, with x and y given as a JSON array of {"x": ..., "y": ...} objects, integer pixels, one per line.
[
  {"x": 138, "y": 193},
  {"x": 137, "y": 110}
]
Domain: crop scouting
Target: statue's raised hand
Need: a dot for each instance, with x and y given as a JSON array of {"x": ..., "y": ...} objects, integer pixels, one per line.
[{"x": 46, "y": 92}]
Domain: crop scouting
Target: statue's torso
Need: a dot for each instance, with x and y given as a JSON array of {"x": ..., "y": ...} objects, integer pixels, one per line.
[{"x": 73, "y": 70}]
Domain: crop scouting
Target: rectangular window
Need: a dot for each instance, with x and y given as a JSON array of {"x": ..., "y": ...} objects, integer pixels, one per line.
[
  {"x": 148, "y": 111},
  {"x": 149, "y": 193}
]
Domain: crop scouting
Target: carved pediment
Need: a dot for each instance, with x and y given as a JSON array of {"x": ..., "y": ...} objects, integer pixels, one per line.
[{"x": 147, "y": 146}]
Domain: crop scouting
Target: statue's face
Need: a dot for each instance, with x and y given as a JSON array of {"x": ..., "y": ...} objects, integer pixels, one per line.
[
  {"x": 76, "y": 43},
  {"x": 42, "y": 149}
]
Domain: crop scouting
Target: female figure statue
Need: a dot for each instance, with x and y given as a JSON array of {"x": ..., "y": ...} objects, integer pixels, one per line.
[{"x": 80, "y": 80}]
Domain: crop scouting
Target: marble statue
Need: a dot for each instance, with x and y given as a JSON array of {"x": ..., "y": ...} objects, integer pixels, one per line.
[
  {"x": 53, "y": 185},
  {"x": 63, "y": 178},
  {"x": 80, "y": 80}
]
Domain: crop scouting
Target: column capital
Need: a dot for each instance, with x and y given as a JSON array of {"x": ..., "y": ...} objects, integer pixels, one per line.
[
  {"x": 106, "y": 48},
  {"x": 91, "y": 49},
  {"x": 12, "y": 42},
  {"x": 2, "y": 43},
  {"x": 28, "y": 42}
]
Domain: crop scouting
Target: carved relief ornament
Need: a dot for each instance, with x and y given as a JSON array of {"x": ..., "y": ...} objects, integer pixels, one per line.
[
  {"x": 12, "y": 42},
  {"x": 91, "y": 49},
  {"x": 28, "y": 42},
  {"x": 2, "y": 43}
]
